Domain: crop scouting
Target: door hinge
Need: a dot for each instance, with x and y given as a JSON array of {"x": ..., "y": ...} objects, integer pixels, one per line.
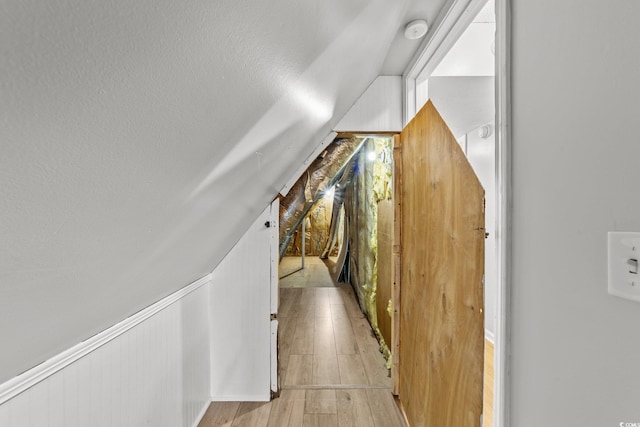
[
  {"x": 270, "y": 224},
  {"x": 274, "y": 316}
]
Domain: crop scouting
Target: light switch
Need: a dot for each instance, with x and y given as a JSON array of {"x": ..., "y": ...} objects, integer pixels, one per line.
[{"x": 624, "y": 252}]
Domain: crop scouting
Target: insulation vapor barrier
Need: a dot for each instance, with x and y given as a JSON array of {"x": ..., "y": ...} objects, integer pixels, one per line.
[
  {"x": 359, "y": 174},
  {"x": 372, "y": 183},
  {"x": 320, "y": 176}
]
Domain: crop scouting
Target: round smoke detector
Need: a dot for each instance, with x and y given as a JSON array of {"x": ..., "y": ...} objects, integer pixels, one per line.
[{"x": 416, "y": 29}]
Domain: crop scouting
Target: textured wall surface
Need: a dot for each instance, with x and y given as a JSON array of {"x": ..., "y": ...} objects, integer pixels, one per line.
[
  {"x": 154, "y": 374},
  {"x": 574, "y": 355},
  {"x": 141, "y": 139}
]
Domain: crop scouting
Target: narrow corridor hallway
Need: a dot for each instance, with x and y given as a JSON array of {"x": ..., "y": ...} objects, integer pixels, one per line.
[{"x": 331, "y": 370}]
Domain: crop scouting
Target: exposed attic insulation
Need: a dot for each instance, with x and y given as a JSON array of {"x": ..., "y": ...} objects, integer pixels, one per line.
[
  {"x": 336, "y": 228},
  {"x": 371, "y": 184},
  {"x": 317, "y": 229},
  {"x": 360, "y": 173},
  {"x": 321, "y": 175}
]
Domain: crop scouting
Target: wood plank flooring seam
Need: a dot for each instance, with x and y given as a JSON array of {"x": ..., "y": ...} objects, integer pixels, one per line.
[{"x": 335, "y": 387}]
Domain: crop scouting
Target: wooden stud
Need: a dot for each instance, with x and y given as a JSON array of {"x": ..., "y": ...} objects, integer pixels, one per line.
[
  {"x": 384, "y": 268},
  {"x": 397, "y": 265}
]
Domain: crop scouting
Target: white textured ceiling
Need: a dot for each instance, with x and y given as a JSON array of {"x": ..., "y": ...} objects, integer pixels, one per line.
[
  {"x": 462, "y": 85},
  {"x": 472, "y": 54},
  {"x": 402, "y": 49},
  {"x": 139, "y": 139}
]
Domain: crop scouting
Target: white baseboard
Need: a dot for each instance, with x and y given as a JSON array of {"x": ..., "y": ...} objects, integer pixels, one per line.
[
  {"x": 33, "y": 376},
  {"x": 200, "y": 415}
]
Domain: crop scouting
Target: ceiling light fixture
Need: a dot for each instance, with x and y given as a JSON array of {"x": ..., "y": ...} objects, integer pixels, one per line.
[{"x": 416, "y": 29}]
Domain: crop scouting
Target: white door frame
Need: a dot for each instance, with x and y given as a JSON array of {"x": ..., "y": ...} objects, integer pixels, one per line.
[
  {"x": 274, "y": 223},
  {"x": 452, "y": 21}
]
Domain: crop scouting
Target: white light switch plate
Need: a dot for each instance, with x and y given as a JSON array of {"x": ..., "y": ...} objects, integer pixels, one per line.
[{"x": 624, "y": 248}]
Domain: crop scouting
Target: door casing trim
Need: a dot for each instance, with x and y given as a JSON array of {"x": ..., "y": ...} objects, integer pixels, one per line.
[{"x": 454, "y": 18}]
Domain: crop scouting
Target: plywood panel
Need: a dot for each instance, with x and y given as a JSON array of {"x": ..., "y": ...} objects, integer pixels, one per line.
[
  {"x": 397, "y": 259},
  {"x": 441, "y": 309},
  {"x": 384, "y": 262},
  {"x": 487, "y": 407}
]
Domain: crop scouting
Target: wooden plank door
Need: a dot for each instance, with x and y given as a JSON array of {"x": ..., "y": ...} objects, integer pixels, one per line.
[{"x": 442, "y": 266}]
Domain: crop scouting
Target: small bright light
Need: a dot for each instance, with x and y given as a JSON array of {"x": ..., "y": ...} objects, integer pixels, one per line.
[
  {"x": 371, "y": 156},
  {"x": 328, "y": 194}
]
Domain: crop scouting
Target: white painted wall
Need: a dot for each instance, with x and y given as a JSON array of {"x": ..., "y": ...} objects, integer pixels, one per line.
[
  {"x": 465, "y": 103},
  {"x": 240, "y": 318},
  {"x": 139, "y": 140},
  {"x": 156, "y": 373},
  {"x": 574, "y": 352},
  {"x": 481, "y": 155},
  {"x": 471, "y": 55},
  {"x": 163, "y": 365},
  {"x": 379, "y": 109}
]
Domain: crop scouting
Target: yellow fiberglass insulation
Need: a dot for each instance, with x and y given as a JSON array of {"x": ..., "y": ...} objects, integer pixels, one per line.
[
  {"x": 317, "y": 230},
  {"x": 372, "y": 183}
]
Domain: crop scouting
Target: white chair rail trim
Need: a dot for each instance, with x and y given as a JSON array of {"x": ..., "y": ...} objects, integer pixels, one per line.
[{"x": 33, "y": 376}]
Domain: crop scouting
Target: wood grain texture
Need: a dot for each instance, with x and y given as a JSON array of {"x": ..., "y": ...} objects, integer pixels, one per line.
[
  {"x": 320, "y": 420},
  {"x": 487, "y": 403},
  {"x": 220, "y": 414},
  {"x": 252, "y": 414},
  {"x": 397, "y": 263},
  {"x": 441, "y": 308},
  {"x": 299, "y": 370},
  {"x": 369, "y": 350},
  {"x": 384, "y": 409},
  {"x": 344, "y": 337},
  {"x": 384, "y": 266},
  {"x": 325, "y": 369},
  {"x": 352, "y": 369},
  {"x": 353, "y": 408},
  {"x": 312, "y": 394},
  {"x": 320, "y": 402},
  {"x": 348, "y": 407},
  {"x": 287, "y": 410}
]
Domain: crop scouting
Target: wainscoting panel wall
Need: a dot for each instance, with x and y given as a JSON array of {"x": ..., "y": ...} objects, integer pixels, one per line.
[
  {"x": 155, "y": 372},
  {"x": 240, "y": 318}
]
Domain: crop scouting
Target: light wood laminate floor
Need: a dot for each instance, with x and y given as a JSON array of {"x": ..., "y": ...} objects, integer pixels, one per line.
[{"x": 331, "y": 370}]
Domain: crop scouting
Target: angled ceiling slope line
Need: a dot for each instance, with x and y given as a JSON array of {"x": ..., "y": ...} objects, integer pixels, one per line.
[{"x": 122, "y": 124}]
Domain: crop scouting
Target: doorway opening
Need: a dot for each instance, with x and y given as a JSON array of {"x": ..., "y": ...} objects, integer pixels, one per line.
[
  {"x": 341, "y": 211},
  {"x": 329, "y": 343},
  {"x": 483, "y": 146}
]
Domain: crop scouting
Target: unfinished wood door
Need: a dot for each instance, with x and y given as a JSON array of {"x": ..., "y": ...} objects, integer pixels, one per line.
[
  {"x": 442, "y": 267},
  {"x": 384, "y": 263}
]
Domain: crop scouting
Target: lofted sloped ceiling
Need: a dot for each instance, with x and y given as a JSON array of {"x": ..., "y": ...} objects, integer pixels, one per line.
[{"x": 139, "y": 139}]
